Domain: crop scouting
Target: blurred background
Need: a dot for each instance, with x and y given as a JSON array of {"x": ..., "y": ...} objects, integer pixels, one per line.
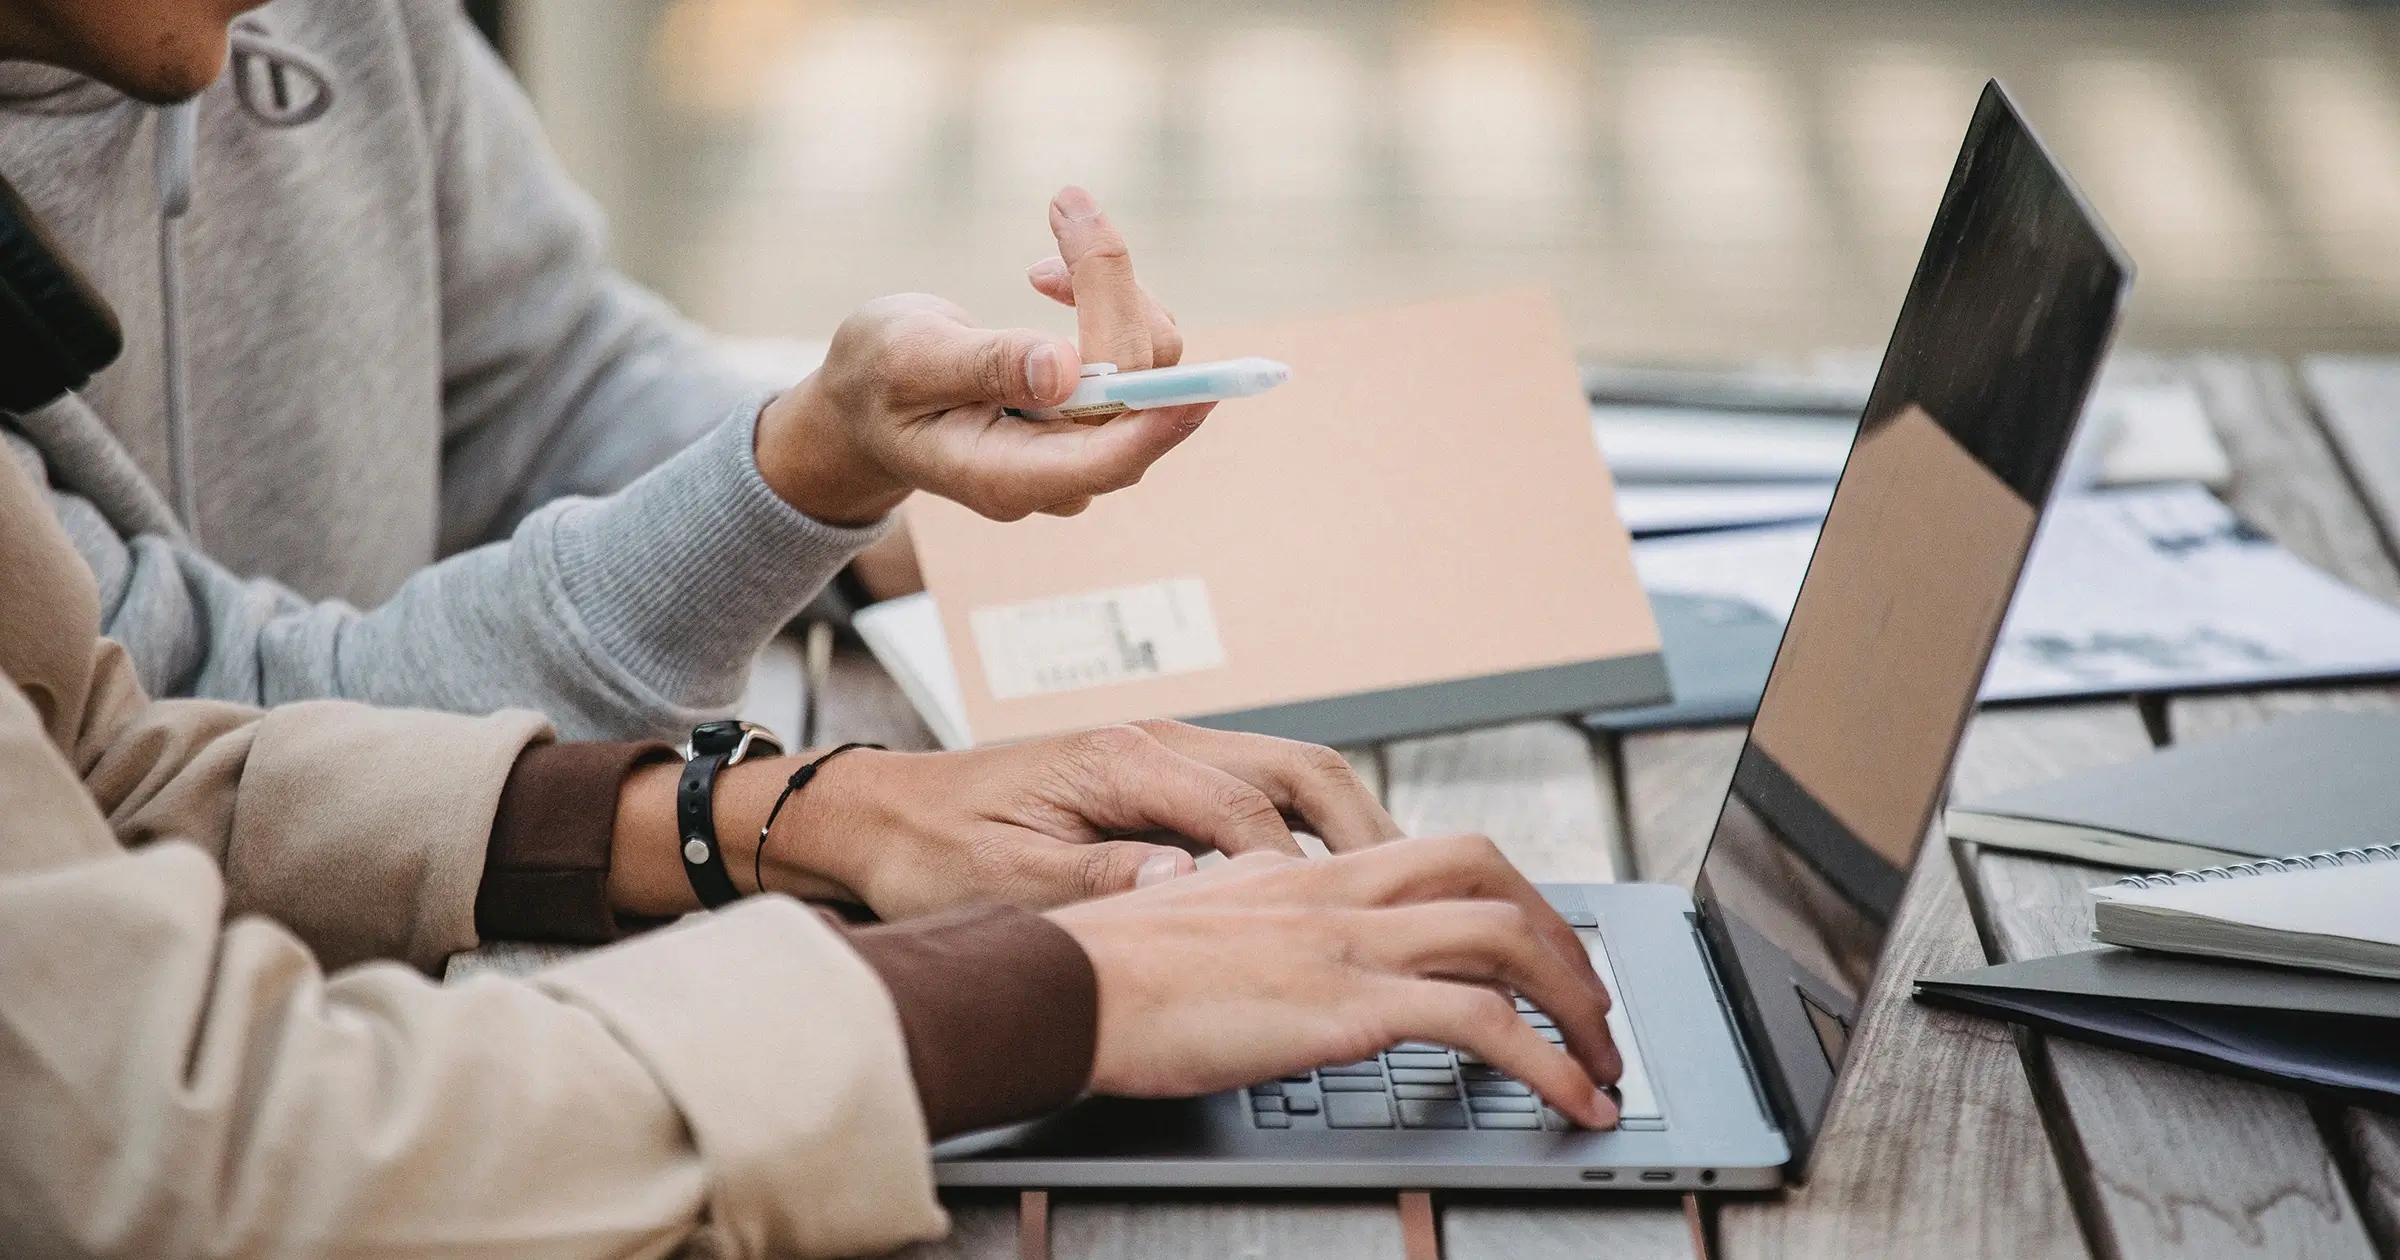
[{"x": 1701, "y": 183}]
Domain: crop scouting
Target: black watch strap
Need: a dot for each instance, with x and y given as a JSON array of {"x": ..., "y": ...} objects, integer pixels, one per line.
[{"x": 715, "y": 746}]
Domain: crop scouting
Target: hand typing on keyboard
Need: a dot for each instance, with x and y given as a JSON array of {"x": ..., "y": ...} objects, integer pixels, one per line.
[
  {"x": 1267, "y": 966},
  {"x": 1036, "y": 824}
]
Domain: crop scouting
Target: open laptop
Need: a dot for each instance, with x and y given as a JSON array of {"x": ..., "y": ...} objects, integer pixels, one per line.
[{"x": 1735, "y": 1001}]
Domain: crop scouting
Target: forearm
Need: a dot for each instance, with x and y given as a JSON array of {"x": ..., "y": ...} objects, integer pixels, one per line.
[
  {"x": 998, "y": 1006},
  {"x": 746, "y": 1077},
  {"x": 634, "y": 615}
]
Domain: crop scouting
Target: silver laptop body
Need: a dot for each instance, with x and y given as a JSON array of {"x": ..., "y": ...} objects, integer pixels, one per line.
[{"x": 1735, "y": 1001}]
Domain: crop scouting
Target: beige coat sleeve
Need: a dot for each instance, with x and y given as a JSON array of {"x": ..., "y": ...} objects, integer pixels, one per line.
[{"x": 180, "y": 1077}]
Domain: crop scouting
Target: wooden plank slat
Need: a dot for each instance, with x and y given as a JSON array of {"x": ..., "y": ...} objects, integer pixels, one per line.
[
  {"x": 1539, "y": 790},
  {"x": 1950, "y": 1094},
  {"x": 1533, "y": 787},
  {"x": 1641, "y": 1230},
  {"x": 1675, "y": 783},
  {"x": 2357, "y": 432},
  {"x": 1933, "y": 1146},
  {"x": 1197, "y": 1229},
  {"x": 2172, "y": 1161},
  {"x": 2369, "y": 1140},
  {"x": 2358, "y": 398},
  {"x": 2375, "y": 1140},
  {"x": 983, "y": 1226},
  {"x": 2287, "y": 479},
  {"x": 861, "y": 704},
  {"x": 506, "y": 958}
]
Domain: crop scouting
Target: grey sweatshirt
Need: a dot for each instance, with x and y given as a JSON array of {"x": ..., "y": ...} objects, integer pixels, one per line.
[{"x": 441, "y": 455}]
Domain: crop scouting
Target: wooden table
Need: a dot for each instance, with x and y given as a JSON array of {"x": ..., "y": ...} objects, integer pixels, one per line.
[{"x": 1951, "y": 1137}]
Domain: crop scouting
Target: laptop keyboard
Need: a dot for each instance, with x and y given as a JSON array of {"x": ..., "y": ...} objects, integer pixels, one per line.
[{"x": 1417, "y": 1085}]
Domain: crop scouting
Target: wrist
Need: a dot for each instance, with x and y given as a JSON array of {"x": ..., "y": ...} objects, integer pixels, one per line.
[
  {"x": 811, "y": 460},
  {"x": 806, "y": 849}
]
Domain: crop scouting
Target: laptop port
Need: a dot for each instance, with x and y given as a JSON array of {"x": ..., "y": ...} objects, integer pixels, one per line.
[
  {"x": 1599, "y": 1174},
  {"x": 1658, "y": 1174},
  {"x": 1708, "y": 1176}
]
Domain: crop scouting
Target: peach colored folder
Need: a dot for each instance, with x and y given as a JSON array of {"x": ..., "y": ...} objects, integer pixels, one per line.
[{"x": 1417, "y": 533}]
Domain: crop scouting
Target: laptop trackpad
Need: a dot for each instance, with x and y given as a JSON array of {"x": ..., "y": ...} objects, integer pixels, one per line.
[{"x": 1638, "y": 1100}]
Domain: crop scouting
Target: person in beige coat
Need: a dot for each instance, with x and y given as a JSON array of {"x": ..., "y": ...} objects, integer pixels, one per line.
[
  {"x": 180, "y": 1075},
  {"x": 218, "y": 1035}
]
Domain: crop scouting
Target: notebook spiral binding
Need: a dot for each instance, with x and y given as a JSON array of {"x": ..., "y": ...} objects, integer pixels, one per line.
[{"x": 2364, "y": 855}]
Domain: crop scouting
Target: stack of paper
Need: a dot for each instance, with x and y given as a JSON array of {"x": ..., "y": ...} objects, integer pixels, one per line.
[
  {"x": 2157, "y": 589},
  {"x": 1694, "y": 452}
]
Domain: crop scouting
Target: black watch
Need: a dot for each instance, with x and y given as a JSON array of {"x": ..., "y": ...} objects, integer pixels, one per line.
[{"x": 715, "y": 745}]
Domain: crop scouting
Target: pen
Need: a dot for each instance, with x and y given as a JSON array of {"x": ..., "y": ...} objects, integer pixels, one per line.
[{"x": 1106, "y": 392}]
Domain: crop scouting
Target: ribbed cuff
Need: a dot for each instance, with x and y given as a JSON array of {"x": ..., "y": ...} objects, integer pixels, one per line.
[
  {"x": 545, "y": 875},
  {"x": 681, "y": 576}
]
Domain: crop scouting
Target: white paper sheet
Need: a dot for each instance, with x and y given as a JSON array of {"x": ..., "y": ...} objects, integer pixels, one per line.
[
  {"x": 905, "y": 634},
  {"x": 2133, "y": 433},
  {"x": 2128, "y": 590}
]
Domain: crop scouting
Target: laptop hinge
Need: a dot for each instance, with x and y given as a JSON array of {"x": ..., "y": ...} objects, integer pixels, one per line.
[{"x": 1741, "y": 1044}]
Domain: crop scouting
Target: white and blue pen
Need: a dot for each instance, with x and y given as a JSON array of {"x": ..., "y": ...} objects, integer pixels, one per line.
[{"x": 1105, "y": 391}]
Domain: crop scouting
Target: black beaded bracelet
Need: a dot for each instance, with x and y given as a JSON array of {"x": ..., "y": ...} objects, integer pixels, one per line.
[{"x": 791, "y": 786}]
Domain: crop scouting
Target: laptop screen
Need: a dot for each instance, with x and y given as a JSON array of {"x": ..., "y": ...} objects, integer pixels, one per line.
[{"x": 1997, "y": 343}]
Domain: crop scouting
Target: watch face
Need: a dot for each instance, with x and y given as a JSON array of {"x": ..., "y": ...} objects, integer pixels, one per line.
[{"x": 712, "y": 738}]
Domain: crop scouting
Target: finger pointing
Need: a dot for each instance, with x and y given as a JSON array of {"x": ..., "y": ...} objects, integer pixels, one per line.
[{"x": 1112, "y": 317}]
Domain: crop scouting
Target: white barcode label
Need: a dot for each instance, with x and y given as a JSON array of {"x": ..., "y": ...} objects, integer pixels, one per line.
[{"x": 1071, "y": 642}]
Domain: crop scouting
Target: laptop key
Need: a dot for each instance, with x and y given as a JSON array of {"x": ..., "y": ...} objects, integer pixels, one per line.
[
  {"x": 1526, "y": 1005},
  {"x": 1424, "y": 1091},
  {"x": 1507, "y": 1120},
  {"x": 1266, "y": 1104},
  {"x": 1484, "y": 1072},
  {"x": 1400, "y": 1059},
  {"x": 1273, "y": 1120},
  {"x": 1422, "y": 1076},
  {"x": 1420, "y": 1047},
  {"x": 1483, "y": 1102},
  {"x": 1302, "y": 1078},
  {"x": 1432, "y": 1115},
  {"x": 1357, "y": 1111},
  {"x": 1300, "y": 1104},
  {"x": 1270, "y": 1089},
  {"x": 1351, "y": 1084},
  {"x": 1370, "y": 1067},
  {"x": 1538, "y": 1019},
  {"x": 1499, "y": 1089}
]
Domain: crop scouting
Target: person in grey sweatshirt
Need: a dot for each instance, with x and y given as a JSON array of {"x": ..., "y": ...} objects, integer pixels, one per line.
[{"x": 388, "y": 428}]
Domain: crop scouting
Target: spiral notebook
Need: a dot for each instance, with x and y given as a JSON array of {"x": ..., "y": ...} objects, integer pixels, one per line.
[{"x": 2334, "y": 911}]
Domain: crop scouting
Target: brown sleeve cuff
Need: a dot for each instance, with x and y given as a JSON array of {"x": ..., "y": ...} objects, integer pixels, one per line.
[
  {"x": 1000, "y": 1009},
  {"x": 545, "y": 874}
]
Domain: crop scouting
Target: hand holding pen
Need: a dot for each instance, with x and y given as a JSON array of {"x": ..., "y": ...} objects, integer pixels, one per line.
[{"x": 914, "y": 396}]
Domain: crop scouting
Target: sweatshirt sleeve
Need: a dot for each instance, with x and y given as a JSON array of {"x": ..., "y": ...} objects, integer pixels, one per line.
[{"x": 630, "y": 616}]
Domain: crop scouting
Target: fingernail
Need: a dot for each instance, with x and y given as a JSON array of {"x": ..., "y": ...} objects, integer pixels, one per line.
[
  {"x": 1605, "y": 1107},
  {"x": 1044, "y": 372},
  {"x": 1051, "y": 268},
  {"x": 1157, "y": 870},
  {"x": 1073, "y": 202}
]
